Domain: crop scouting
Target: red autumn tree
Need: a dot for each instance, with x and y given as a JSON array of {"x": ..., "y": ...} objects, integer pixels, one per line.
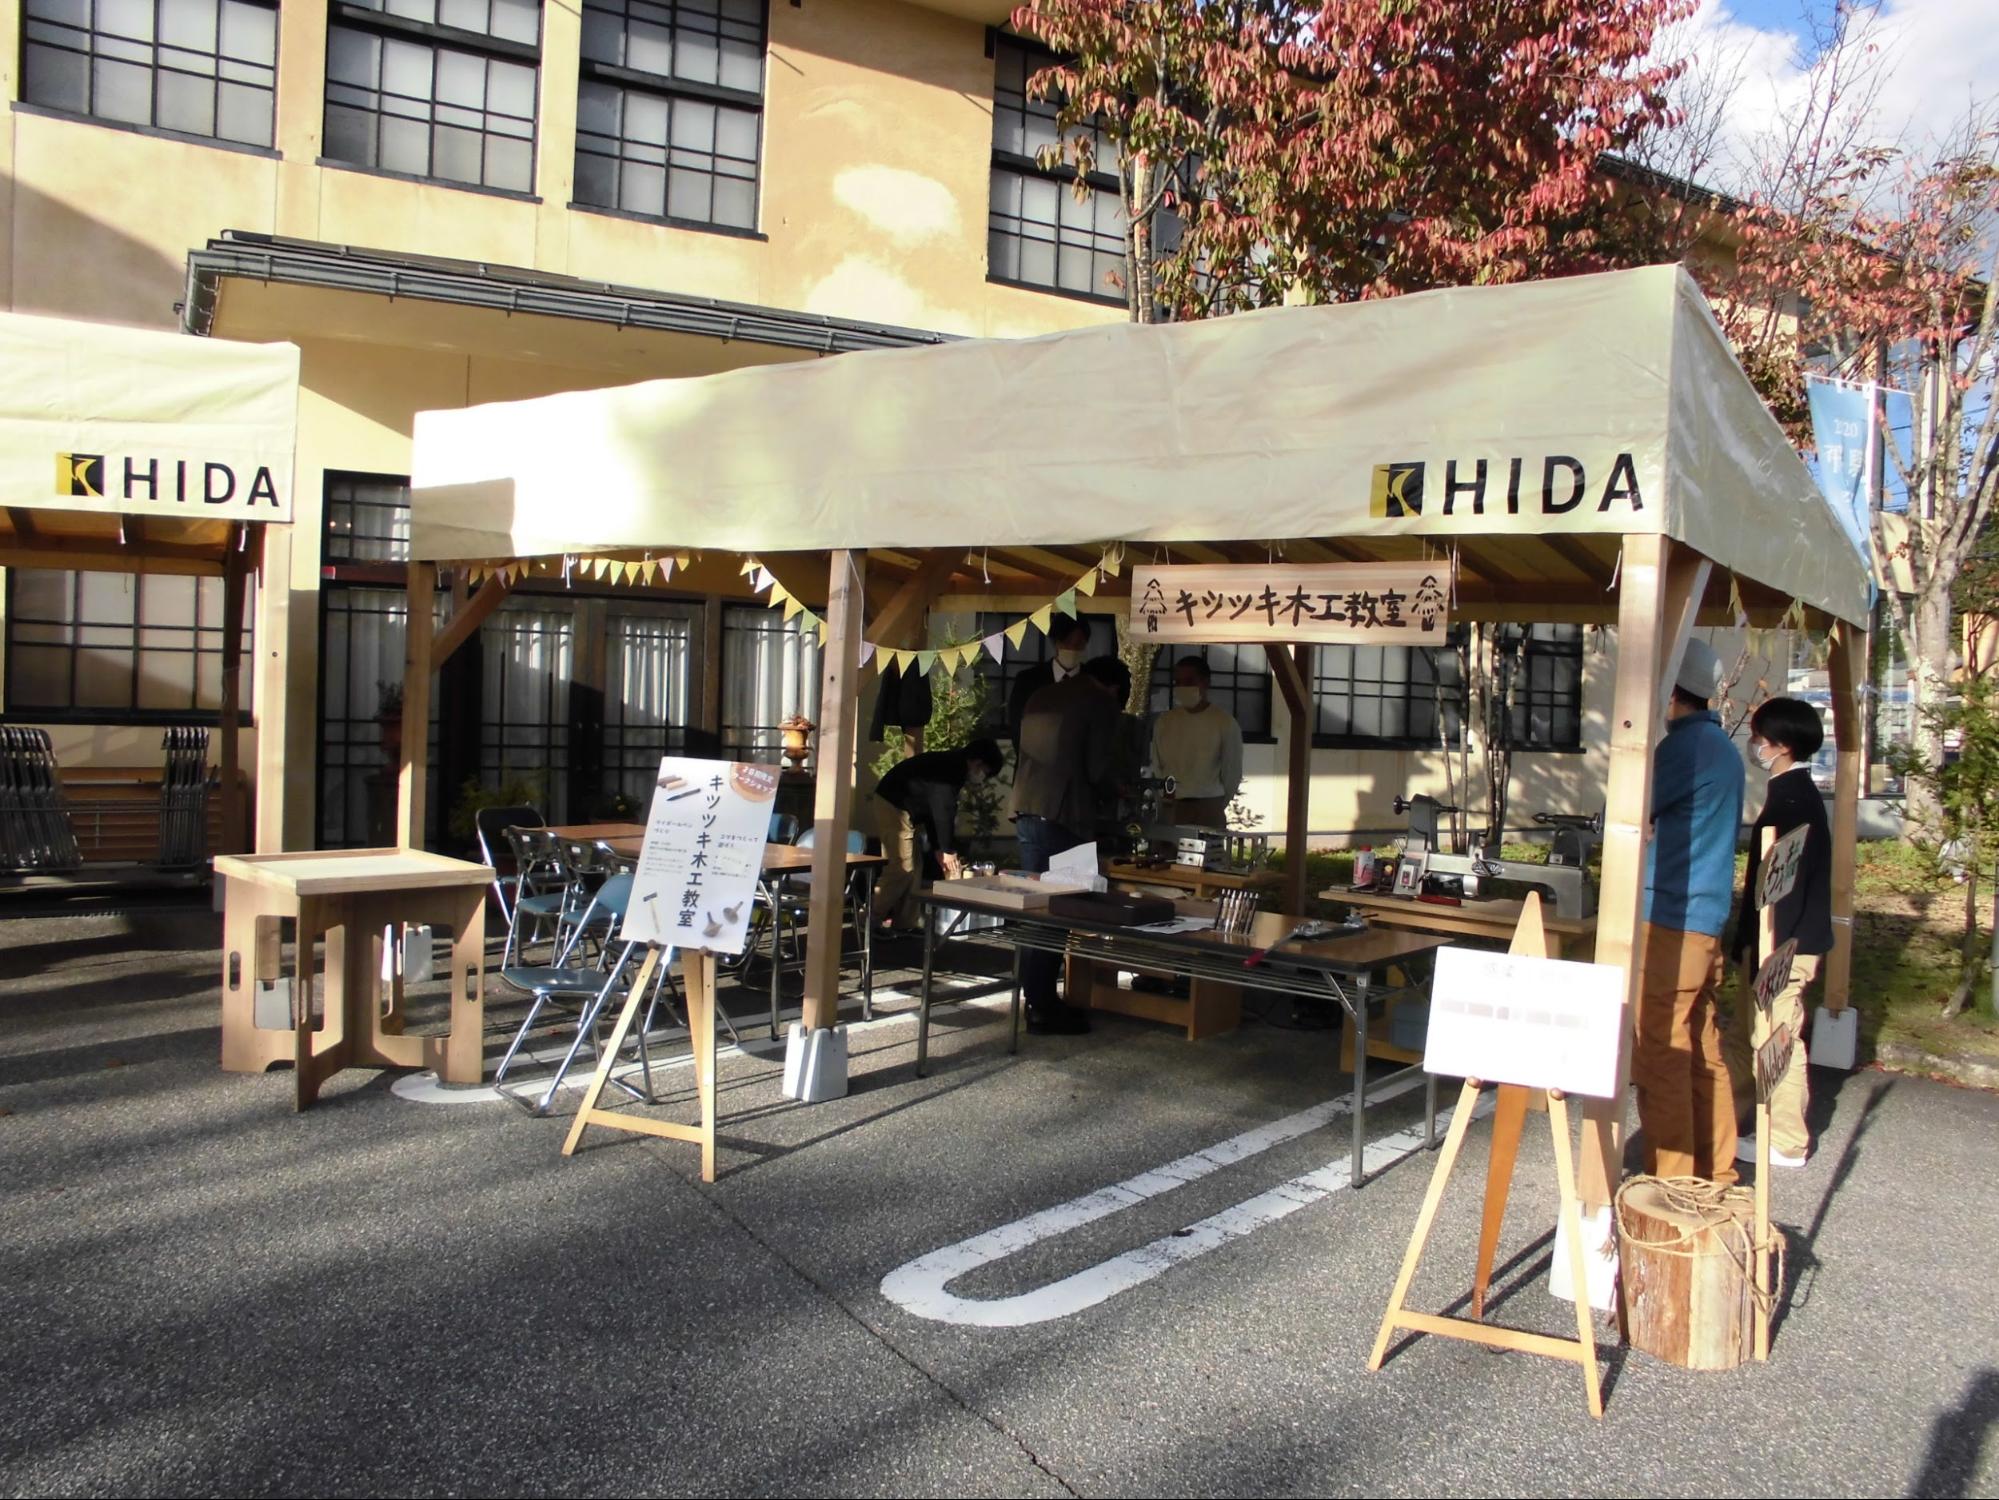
[{"x": 1350, "y": 148}]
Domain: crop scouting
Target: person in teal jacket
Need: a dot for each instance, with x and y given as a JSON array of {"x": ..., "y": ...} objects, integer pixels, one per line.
[{"x": 1686, "y": 1107}]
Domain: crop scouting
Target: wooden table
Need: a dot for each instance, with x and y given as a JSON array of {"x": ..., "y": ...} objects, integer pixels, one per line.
[
  {"x": 349, "y": 897},
  {"x": 1482, "y": 919},
  {"x": 1339, "y": 967},
  {"x": 626, "y": 840}
]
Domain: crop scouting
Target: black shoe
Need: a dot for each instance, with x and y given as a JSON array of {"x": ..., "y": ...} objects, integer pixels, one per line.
[{"x": 1059, "y": 1020}]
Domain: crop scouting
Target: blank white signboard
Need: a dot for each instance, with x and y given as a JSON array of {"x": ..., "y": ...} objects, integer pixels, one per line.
[{"x": 1543, "y": 1023}]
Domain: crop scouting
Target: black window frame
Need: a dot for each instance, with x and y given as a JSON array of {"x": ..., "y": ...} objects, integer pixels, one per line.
[
  {"x": 135, "y": 650},
  {"x": 342, "y": 14},
  {"x": 91, "y": 53},
  {"x": 1562, "y": 647},
  {"x": 1228, "y": 687},
  {"x": 1441, "y": 661},
  {"x": 673, "y": 91},
  {"x": 1062, "y": 176}
]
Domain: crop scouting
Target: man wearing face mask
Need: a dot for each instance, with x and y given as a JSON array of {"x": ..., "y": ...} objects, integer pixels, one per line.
[
  {"x": 918, "y": 803},
  {"x": 1200, "y": 746},
  {"x": 1784, "y": 735},
  {"x": 1685, "y": 1104},
  {"x": 1071, "y": 638}
]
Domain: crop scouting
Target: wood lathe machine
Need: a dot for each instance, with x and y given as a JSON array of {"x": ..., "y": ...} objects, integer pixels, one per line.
[{"x": 1428, "y": 868}]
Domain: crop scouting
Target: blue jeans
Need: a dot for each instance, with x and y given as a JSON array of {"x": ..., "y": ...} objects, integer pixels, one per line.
[{"x": 1041, "y": 839}]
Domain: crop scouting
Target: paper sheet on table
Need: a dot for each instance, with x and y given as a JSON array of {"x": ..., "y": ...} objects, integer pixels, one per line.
[
  {"x": 1178, "y": 924},
  {"x": 1079, "y": 863}
]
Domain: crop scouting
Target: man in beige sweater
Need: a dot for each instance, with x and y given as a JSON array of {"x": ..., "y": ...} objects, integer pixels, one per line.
[{"x": 1200, "y": 746}]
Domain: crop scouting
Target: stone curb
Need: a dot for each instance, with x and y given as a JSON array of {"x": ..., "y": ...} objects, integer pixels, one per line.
[{"x": 1967, "y": 1071}]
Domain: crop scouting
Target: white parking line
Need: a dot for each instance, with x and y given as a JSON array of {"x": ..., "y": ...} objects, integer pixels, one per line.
[{"x": 921, "y": 1285}]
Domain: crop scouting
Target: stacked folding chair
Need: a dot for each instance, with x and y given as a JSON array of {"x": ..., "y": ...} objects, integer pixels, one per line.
[
  {"x": 35, "y": 831},
  {"x": 184, "y": 797}
]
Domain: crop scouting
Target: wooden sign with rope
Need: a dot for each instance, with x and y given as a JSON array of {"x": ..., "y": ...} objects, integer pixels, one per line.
[{"x": 1529, "y": 941}]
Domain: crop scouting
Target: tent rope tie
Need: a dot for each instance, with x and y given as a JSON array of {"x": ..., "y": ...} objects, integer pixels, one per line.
[{"x": 1718, "y": 1209}]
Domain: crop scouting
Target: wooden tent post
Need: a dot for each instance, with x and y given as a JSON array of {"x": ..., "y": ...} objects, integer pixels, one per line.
[
  {"x": 1848, "y": 740},
  {"x": 833, "y": 797},
  {"x": 1294, "y": 678},
  {"x": 1659, "y": 593},
  {"x": 235, "y": 580},
  {"x": 417, "y": 669},
  {"x": 274, "y": 592}
]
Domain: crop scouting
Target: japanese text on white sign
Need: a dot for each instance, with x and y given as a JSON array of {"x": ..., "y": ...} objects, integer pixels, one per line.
[
  {"x": 704, "y": 849},
  {"x": 1543, "y": 1023},
  {"x": 1779, "y": 870},
  {"x": 1384, "y": 604}
]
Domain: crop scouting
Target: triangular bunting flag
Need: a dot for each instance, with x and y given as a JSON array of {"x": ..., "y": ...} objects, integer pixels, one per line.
[
  {"x": 1016, "y": 632},
  {"x": 904, "y": 660},
  {"x": 994, "y": 645},
  {"x": 820, "y": 625},
  {"x": 1087, "y": 584},
  {"x": 1066, "y": 601},
  {"x": 761, "y": 580},
  {"x": 867, "y": 652},
  {"x": 1042, "y": 618},
  {"x": 925, "y": 660},
  {"x": 951, "y": 658},
  {"x": 792, "y": 608},
  {"x": 681, "y": 559},
  {"x": 648, "y": 570},
  {"x": 749, "y": 567},
  {"x": 1113, "y": 562}
]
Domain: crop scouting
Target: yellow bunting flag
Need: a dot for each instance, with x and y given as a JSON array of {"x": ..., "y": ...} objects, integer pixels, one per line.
[
  {"x": 749, "y": 567},
  {"x": 1042, "y": 617},
  {"x": 1087, "y": 584},
  {"x": 648, "y": 570},
  {"x": 1016, "y": 632},
  {"x": 821, "y": 624},
  {"x": 792, "y": 608},
  {"x": 1113, "y": 562},
  {"x": 681, "y": 559}
]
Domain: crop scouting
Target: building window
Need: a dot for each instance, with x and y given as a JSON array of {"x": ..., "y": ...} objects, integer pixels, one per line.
[
  {"x": 670, "y": 109},
  {"x": 443, "y": 89},
  {"x": 648, "y": 696},
  {"x": 198, "y": 67},
  {"x": 1547, "y": 711},
  {"x": 117, "y": 647},
  {"x": 1238, "y": 682},
  {"x": 527, "y": 661},
  {"x": 1038, "y": 233},
  {"x": 367, "y": 519},
  {"x": 770, "y": 670},
  {"x": 1410, "y": 697}
]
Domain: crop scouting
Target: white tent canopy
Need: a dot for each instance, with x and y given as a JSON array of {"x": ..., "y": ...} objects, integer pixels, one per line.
[
  {"x": 96, "y": 418},
  {"x": 1596, "y": 405}
]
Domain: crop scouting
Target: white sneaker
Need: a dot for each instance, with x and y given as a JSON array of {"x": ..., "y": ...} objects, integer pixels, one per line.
[{"x": 1745, "y": 1150}]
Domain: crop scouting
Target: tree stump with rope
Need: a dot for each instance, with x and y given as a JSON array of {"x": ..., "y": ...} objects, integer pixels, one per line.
[{"x": 1687, "y": 1265}]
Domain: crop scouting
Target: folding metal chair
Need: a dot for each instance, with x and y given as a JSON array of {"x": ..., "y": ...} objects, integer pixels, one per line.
[
  {"x": 496, "y": 852},
  {"x": 541, "y": 890}
]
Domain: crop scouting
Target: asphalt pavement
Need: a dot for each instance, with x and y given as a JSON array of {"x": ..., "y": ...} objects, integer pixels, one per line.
[{"x": 1113, "y": 1264}]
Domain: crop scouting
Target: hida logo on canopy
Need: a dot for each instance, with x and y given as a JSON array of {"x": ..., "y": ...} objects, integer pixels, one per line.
[
  {"x": 1399, "y": 490},
  {"x": 179, "y": 480}
]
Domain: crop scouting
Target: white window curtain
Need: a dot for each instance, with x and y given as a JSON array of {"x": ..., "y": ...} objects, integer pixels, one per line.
[{"x": 770, "y": 670}]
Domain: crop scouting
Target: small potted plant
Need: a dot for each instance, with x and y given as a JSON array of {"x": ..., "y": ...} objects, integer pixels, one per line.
[
  {"x": 389, "y": 720},
  {"x": 797, "y": 732}
]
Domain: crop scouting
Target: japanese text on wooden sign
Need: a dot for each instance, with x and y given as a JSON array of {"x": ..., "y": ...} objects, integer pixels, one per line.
[
  {"x": 1774, "y": 974},
  {"x": 1385, "y": 604},
  {"x": 1772, "y": 1057},
  {"x": 1543, "y": 1023},
  {"x": 703, "y": 851},
  {"x": 1779, "y": 870}
]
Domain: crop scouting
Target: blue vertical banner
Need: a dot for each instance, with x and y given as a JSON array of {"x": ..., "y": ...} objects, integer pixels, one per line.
[{"x": 1845, "y": 435}]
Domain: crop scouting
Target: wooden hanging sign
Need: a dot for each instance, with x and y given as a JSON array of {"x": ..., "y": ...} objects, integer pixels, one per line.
[
  {"x": 1772, "y": 1057},
  {"x": 1774, "y": 974},
  {"x": 1778, "y": 872},
  {"x": 1365, "y": 604}
]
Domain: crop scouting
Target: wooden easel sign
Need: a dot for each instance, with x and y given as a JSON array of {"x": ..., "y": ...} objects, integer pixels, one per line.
[
  {"x": 1522, "y": 1021},
  {"x": 692, "y": 893}
]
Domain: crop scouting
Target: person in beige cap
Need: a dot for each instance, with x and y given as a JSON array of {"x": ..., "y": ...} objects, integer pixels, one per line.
[{"x": 1686, "y": 1107}]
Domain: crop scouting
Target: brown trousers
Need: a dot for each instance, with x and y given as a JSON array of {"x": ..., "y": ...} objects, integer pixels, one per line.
[
  {"x": 1792, "y": 1095},
  {"x": 1686, "y": 1106}
]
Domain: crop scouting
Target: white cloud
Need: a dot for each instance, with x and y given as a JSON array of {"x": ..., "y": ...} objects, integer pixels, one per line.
[{"x": 1936, "y": 59}]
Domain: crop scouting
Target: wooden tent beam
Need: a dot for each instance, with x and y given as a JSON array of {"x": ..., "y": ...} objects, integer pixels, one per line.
[
  {"x": 84, "y": 557},
  {"x": 911, "y": 601},
  {"x": 832, "y": 806},
  {"x": 418, "y": 630},
  {"x": 235, "y": 583},
  {"x": 466, "y": 620},
  {"x": 274, "y": 596},
  {"x": 1298, "y": 772}
]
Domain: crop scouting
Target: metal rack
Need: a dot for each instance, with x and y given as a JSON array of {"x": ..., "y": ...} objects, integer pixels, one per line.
[
  {"x": 35, "y": 828},
  {"x": 184, "y": 797}
]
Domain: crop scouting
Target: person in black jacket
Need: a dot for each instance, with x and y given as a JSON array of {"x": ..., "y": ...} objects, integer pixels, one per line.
[
  {"x": 1071, "y": 639},
  {"x": 1784, "y": 735},
  {"x": 919, "y": 803}
]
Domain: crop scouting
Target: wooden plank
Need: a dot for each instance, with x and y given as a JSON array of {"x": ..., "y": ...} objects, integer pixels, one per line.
[
  {"x": 417, "y": 671},
  {"x": 1509, "y": 1118},
  {"x": 1565, "y": 1179},
  {"x": 1043, "y": 562},
  {"x": 1298, "y": 774},
  {"x": 235, "y": 581},
  {"x": 1636, "y": 712},
  {"x": 899, "y": 621},
  {"x": 832, "y": 805},
  {"x": 1292, "y": 681},
  {"x": 274, "y": 596},
  {"x": 1576, "y": 553},
  {"x": 466, "y": 620},
  {"x": 23, "y": 521},
  {"x": 1847, "y": 733},
  {"x": 88, "y": 558},
  {"x": 1426, "y": 1218}
]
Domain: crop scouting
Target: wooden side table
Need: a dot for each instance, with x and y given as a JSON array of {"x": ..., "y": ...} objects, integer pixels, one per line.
[{"x": 348, "y": 898}]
